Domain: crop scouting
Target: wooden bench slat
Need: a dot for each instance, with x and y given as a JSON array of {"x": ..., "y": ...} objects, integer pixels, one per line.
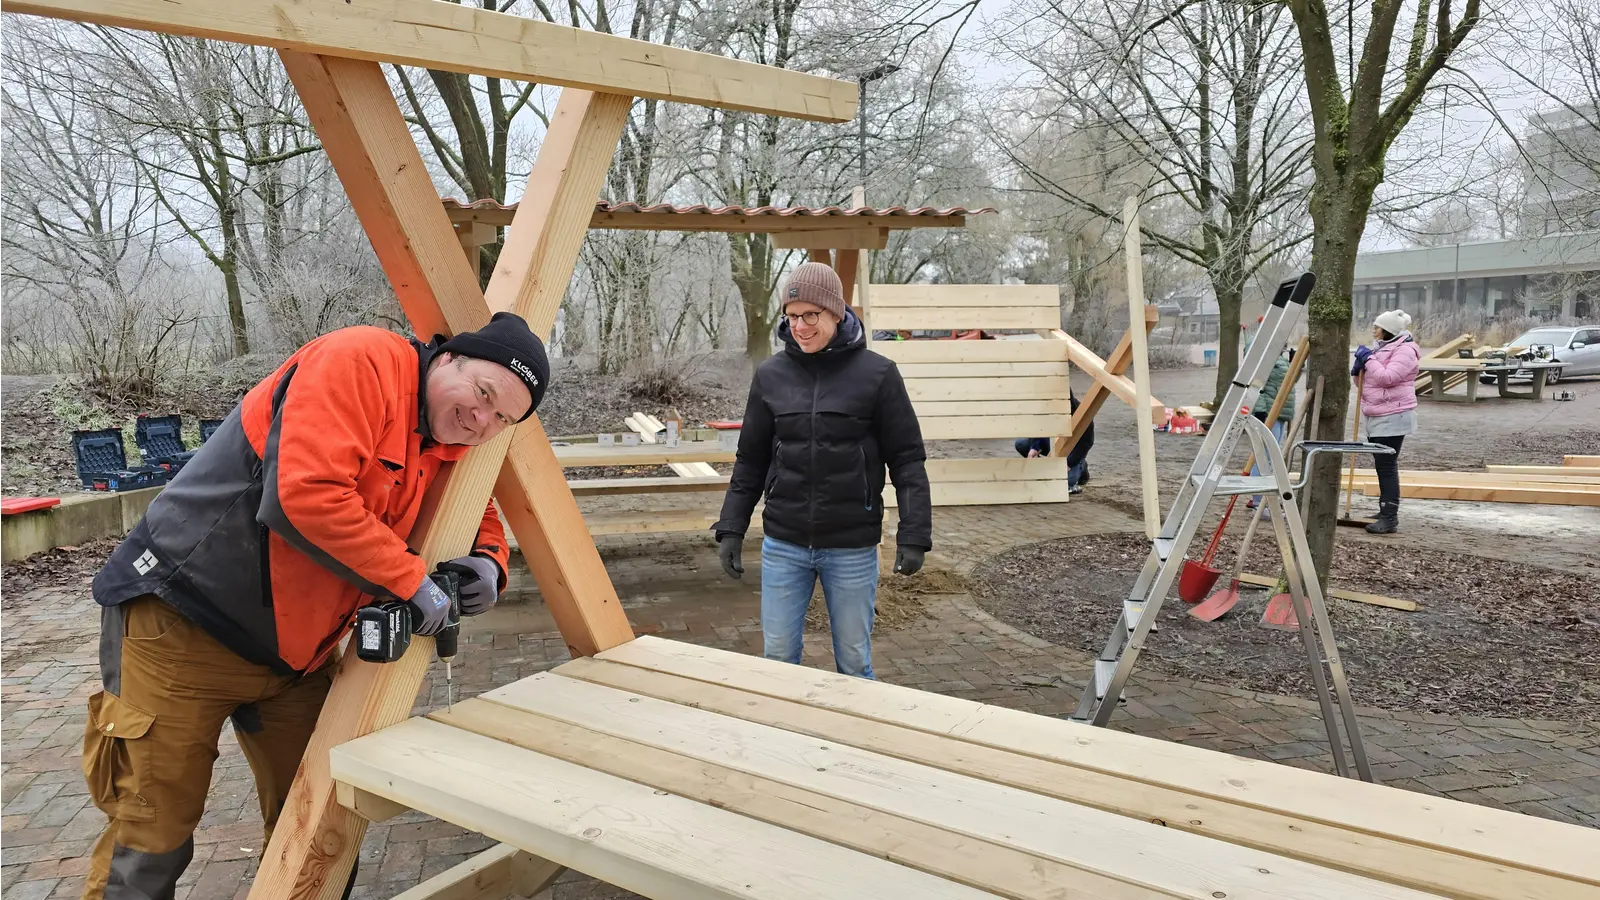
[
  {"x": 1412, "y": 865},
  {"x": 626, "y": 834},
  {"x": 1508, "y": 838},
  {"x": 981, "y": 864},
  {"x": 1159, "y": 859},
  {"x": 997, "y": 470},
  {"x": 649, "y": 521}
]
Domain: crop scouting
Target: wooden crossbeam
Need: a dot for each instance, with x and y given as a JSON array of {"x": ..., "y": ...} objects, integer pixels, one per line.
[
  {"x": 367, "y": 140},
  {"x": 461, "y": 38},
  {"x": 499, "y": 872},
  {"x": 841, "y": 238},
  {"x": 1098, "y": 393}
]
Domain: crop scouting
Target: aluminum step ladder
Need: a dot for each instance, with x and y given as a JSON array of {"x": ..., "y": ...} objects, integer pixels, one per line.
[{"x": 1205, "y": 481}]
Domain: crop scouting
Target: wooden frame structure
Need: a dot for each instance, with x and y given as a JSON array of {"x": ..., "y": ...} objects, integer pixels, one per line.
[
  {"x": 833, "y": 235},
  {"x": 985, "y": 389},
  {"x": 332, "y": 52}
]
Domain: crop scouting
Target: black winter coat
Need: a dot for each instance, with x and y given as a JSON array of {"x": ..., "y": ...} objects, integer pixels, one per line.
[{"x": 819, "y": 431}]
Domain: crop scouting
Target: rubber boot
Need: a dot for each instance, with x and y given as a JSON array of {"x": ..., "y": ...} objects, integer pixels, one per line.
[{"x": 1388, "y": 521}]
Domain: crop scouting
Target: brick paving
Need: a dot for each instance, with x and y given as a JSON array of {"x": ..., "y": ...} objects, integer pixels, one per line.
[{"x": 671, "y": 586}]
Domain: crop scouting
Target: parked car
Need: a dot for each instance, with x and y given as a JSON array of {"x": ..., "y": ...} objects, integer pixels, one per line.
[{"x": 1578, "y": 347}]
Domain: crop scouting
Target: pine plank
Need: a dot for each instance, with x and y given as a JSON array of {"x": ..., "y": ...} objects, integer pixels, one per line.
[
  {"x": 1353, "y": 596},
  {"x": 934, "y": 318},
  {"x": 926, "y": 409},
  {"x": 984, "y": 370},
  {"x": 1518, "y": 841},
  {"x": 957, "y": 352},
  {"x": 1419, "y": 867},
  {"x": 653, "y": 521},
  {"x": 940, "y": 428},
  {"x": 1046, "y": 468},
  {"x": 1115, "y": 364},
  {"x": 495, "y": 874},
  {"x": 606, "y": 487},
  {"x": 977, "y": 297},
  {"x": 980, "y": 864},
  {"x": 626, "y": 834},
  {"x": 1579, "y": 460},
  {"x": 990, "y": 493},
  {"x": 945, "y": 390},
  {"x": 573, "y": 456},
  {"x": 460, "y": 38},
  {"x": 1573, "y": 495},
  {"x": 1157, "y": 858},
  {"x": 1563, "y": 471},
  {"x": 1140, "y": 366}
]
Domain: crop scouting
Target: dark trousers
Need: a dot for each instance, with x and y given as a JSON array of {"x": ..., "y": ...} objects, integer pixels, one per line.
[{"x": 1388, "y": 466}]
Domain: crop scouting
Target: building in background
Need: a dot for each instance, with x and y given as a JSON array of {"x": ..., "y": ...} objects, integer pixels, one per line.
[
  {"x": 1550, "y": 277},
  {"x": 1561, "y": 172}
]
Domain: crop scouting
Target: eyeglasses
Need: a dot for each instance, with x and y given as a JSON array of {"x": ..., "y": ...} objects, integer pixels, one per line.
[{"x": 810, "y": 318}]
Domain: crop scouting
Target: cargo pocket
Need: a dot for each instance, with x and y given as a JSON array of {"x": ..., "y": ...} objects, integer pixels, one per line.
[{"x": 108, "y": 767}]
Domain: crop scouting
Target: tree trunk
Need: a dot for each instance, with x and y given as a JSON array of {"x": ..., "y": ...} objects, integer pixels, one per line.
[
  {"x": 751, "y": 256},
  {"x": 1340, "y": 218},
  {"x": 1229, "y": 288}
]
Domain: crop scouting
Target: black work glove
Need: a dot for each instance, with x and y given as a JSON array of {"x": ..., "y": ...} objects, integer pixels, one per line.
[
  {"x": 434, "y": 604},
  {"x": 730, "y": 552},
  {"x": 480, "y": 582},
  {"x": 907, "y": 560}
]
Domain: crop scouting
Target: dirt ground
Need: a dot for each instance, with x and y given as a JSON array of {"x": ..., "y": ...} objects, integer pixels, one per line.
[{"x": 1484, "y": 639}]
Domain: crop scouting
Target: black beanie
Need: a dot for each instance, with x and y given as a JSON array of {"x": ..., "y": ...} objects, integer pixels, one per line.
[{"x": 507, "y": 340}]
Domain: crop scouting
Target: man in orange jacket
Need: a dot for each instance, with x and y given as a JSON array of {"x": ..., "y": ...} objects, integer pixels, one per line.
[{"x": 227, "y": 600}]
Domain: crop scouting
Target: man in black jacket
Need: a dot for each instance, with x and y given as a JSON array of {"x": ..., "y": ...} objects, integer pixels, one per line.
[{"x": 824, "y": 420}]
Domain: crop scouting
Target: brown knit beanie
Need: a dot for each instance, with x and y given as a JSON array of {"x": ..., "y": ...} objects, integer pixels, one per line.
[{"x": 815, "y": 283}]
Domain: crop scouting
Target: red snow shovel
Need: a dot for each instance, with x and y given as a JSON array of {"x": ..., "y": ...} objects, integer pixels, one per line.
[
  {"x": 1197, "y": 578},
  {"x": 1280, "y": 614},
  {"x": 1218, "y": 605}
]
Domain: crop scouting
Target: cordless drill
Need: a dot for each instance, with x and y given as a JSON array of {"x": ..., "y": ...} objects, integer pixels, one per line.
[{"x": 384, "y": 629}]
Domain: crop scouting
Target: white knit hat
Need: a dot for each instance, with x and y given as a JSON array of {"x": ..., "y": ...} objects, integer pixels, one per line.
[{"x": 1394, "y": 321}]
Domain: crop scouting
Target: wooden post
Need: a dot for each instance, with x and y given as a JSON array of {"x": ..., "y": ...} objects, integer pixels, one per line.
[
  {"x": 846, "y": 262},
  {"x": 1140, "y": 362},
  {"x": 819, "y": 255},
  {"x": 349, "y": 102}
]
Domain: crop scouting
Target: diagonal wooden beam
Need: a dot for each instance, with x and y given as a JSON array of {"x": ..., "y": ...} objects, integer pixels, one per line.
[
  {"x": 349, "y": 102},
  {"x": 460, "y": 38},
  {"x": 1098, "y": 393}
]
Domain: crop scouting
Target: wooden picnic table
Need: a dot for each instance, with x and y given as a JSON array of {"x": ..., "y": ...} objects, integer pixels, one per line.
[
  {"x": 680, "y": 771},
  {"x": 1440, "y": 369}
]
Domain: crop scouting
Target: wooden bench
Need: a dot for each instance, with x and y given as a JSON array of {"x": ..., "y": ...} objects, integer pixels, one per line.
[
  {"x": 679, "y": 771},
  {"x": 966, "y": 389}
]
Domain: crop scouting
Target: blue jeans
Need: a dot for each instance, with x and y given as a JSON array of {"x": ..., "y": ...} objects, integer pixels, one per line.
[{"x": 789, "y": 574}]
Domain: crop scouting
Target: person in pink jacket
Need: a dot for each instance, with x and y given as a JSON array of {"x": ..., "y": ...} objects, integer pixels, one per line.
[{"x": 1388, "y": 405}]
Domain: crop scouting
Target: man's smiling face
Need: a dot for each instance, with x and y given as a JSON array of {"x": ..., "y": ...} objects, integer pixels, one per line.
[{"x": 469, "y": 401}]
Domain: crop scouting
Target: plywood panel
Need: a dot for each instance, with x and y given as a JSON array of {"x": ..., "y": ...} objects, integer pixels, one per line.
[
  {"x": 960, "y": 428},
  {"x": 625, "y": 834},
  {"x": 944, "y": 390},
  {"x": 966, "y": 296},
  {"x": 946, "y": 352},
  {"x": 932, "y": 318},
  {"x": 1507, "y": 838}
]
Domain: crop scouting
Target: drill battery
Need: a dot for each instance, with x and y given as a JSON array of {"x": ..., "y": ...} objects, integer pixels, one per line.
[{"x": 384, "y": 629}]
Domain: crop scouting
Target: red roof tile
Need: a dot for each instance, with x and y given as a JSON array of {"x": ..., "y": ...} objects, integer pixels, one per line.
[{"x": 700, "y": 209}]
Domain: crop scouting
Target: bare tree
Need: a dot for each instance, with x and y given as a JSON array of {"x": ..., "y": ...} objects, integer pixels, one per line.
[
  {"x": 1195, "y": 107},
  {"x": 82, "y": 246},
  {"x": 1357, "y": 111}
]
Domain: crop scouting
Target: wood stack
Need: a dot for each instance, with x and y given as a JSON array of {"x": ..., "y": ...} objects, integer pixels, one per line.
[{"x": 1572, "y": 484}]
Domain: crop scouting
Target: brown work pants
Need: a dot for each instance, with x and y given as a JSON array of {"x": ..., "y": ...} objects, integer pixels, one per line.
[{"x": 152, "y": 736}]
